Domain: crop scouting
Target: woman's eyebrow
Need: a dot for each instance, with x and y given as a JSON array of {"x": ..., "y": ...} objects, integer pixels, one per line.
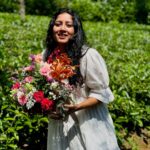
[{"x": 65, "y": 21}]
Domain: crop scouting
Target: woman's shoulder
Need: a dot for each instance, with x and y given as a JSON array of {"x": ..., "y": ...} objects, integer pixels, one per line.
[{"x": 89, "y": 52}]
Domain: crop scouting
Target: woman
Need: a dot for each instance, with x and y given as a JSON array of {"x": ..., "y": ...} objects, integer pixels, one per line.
[{"x": 89, "y": 125}]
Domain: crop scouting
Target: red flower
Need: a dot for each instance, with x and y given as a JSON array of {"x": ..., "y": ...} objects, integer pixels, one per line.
[
  {"x": 16, "y": 86},
  {"x": 38, "y": 96},
  {"x": 47, "y": 104}
]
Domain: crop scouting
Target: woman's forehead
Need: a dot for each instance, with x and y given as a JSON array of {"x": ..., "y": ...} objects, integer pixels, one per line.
[{"x": 64, "y": 16}]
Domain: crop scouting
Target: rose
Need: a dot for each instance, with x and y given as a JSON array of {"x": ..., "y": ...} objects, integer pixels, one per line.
[
  {"x": 16, "y": 86},
  {"x": 47, "y": 104},
  {"x": 28, "y": 79},
  {"x": 46, "y": 71},
  {"x": 38, "y": 96}
]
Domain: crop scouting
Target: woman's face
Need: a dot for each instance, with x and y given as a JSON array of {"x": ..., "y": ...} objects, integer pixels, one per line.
[{"x": 63, "y": 29}]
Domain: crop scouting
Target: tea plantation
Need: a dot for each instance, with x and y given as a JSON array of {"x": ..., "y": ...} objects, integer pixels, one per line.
[{"x": 126, "y": 50}]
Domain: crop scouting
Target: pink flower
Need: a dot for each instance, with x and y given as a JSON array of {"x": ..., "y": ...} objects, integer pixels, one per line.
[
  {"x": 38, "y": 58},
  {"x": 47, "y": 104},
  {"x": 28, "y": 79},
  {"x": 32, "y": 57},
  {"x": 16, "y": 86},
  {"x": 29, "y": 68},
  {"x": 45, "y": 70},
  {"x": 38, "y": 96},
  {"x": 21, "y": 98}
]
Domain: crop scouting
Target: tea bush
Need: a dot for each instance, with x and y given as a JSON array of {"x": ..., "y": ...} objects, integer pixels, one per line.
[
  {"x": 126, "y": 50},
  {"x": 93, "y": 10}
]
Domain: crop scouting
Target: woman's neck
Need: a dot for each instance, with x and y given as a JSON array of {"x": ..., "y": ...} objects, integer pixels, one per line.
[{"x": 61, "y": 47}]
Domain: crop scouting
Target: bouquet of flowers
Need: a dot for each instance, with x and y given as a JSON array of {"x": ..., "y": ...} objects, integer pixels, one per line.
[{"x": 43, "y": 87}]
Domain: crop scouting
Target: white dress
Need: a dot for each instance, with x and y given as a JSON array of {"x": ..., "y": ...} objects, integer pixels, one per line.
[{"x": 92, "y": 128}]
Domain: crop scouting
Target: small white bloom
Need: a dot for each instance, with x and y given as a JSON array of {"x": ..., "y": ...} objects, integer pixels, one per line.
[
  {"x": 54, "y": 85},
  {"x": 52, "y": 95},
  {"x": 30, "y": 103},
  {"x": 66, "y": 81},
  {"x": 34, "y": 89}
]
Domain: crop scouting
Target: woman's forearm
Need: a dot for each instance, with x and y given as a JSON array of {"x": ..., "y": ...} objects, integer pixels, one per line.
[{"x": 88, "y": 103}]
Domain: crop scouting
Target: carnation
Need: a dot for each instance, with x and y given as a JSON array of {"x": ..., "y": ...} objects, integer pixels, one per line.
[
  {"x": 38, "y": 96},
  {"x": 47, "y": 104},
  {"x": 22, "y": 99},
  {"x": 16, "y": 86},
  {"x": 29, "y": 79}
]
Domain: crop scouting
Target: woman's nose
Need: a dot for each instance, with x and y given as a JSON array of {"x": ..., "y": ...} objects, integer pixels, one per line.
[{"x": 63, "y": 27}]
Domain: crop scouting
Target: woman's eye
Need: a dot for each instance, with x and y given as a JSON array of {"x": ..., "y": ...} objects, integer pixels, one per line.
[
  {"x": 69, "y": 25},
  {"x": 58, "y": 24}
]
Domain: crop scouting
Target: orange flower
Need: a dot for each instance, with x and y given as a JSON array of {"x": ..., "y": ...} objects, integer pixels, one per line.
[
  {"x": 61, "y": 67},
  {"x": 64, "y": 58}
]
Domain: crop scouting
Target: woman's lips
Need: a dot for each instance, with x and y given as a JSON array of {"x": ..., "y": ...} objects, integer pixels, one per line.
[{"x": 62, "y": 36}]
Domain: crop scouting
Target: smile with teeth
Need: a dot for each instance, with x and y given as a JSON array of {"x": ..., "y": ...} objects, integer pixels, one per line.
[{"x": 62, "y": 35}]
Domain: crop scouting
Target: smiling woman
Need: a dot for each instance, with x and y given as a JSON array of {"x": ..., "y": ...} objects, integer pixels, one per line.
[
  {"x": 63, "y": 29},
  {"x": 88, "y": 125}
]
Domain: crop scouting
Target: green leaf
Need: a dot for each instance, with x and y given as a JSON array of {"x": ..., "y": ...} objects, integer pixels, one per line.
[
  {"x": 13, "y": 146},
  {"x": 45, "y": 119},
  {"x": 135, "y": 113}
]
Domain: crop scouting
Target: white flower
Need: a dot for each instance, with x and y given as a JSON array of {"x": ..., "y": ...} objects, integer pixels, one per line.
[
  {"x": 30, "y": 94},
  {"x": 30, "y": 103},
  {"x": 52, "y": 95},
  {"x": 54, "y": 85}
]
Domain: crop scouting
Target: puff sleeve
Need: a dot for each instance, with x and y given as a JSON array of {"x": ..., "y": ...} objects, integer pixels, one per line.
[{"x": 96, "y": 77}]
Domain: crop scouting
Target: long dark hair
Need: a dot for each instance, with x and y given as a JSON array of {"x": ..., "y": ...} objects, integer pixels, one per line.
[{"x": 74, "y": 46}]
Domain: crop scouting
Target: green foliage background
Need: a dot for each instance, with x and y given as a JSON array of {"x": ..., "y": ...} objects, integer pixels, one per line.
[
  {"x": 93, "y": 10},
  {"x": 126, "y": 50}
]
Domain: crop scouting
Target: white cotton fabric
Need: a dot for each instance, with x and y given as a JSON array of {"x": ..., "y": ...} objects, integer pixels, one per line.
[{"x": 93, "y": 129}]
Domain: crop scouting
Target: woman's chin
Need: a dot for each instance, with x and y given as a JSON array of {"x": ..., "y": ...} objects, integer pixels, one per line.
[{"x": 62, "y": 41}]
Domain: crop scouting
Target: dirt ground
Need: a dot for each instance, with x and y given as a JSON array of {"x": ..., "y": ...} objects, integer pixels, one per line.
[{"x": 138, "y": 142}]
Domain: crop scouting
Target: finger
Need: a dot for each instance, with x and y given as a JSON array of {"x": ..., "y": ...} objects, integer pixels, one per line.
[
  {"x": 54, "y": 113},
  {"x": 69, "y": 106}
]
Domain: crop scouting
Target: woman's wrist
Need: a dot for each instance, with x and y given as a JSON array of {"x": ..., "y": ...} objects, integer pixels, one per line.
[
  {"x": 78, "y": 107},
  {"x": 82, "y": 105}
]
